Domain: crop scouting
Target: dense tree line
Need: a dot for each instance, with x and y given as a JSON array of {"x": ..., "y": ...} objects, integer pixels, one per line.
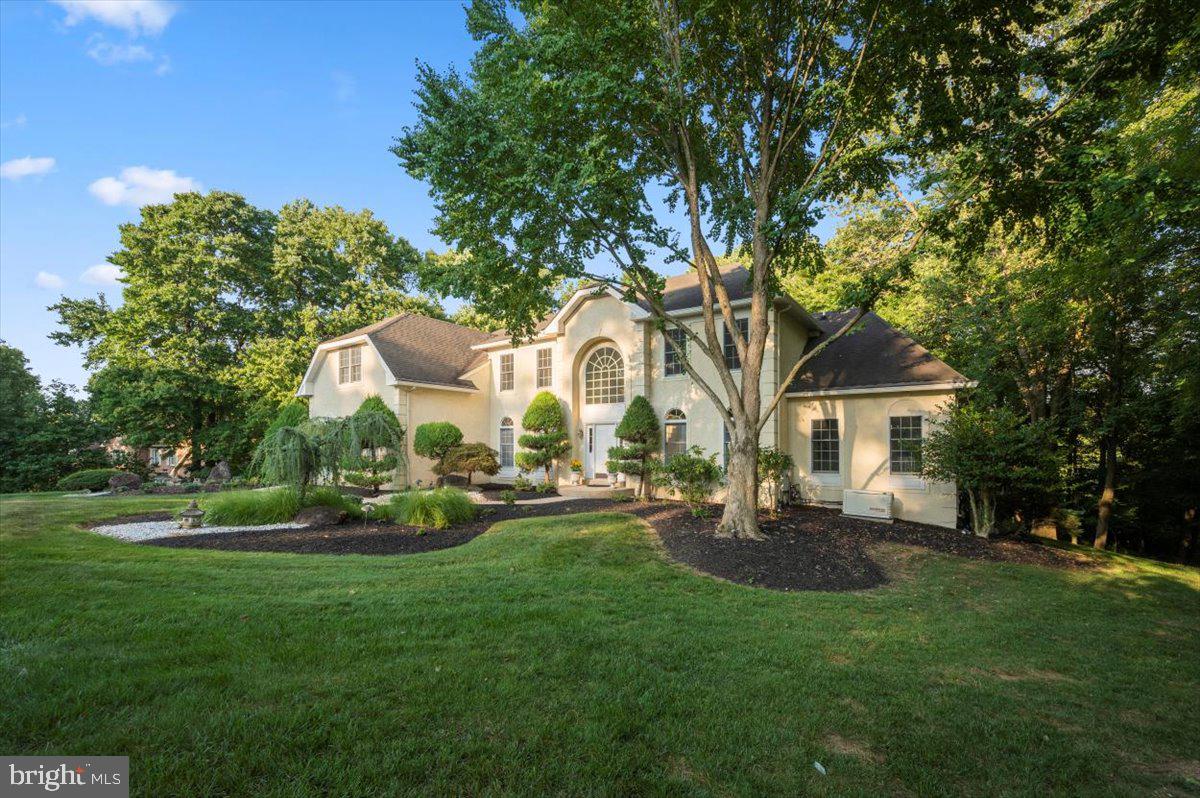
[
  {"x": 45, "y": 432},
  {"x": 222, "y": 306}
]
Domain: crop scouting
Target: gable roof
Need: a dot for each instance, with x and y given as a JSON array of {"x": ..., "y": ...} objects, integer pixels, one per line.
[
  {"x": 873, "y": 355},
  {"x": 420, "y": 349}
]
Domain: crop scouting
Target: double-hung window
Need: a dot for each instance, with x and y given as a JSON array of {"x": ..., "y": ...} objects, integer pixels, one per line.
[
  {"x": 674, "y": 434},
  {"x": 507, "y": 447},
  {"x": 672, "y": 362},
  {"x": 731, "y": 353},
  {"x": 905, "y": 444},
  {"x": 506, "y": 372},
  {"x": 349, "y": 365},
  {"x": 826, "y": 447},
  {"x": 545, "y": 369}
]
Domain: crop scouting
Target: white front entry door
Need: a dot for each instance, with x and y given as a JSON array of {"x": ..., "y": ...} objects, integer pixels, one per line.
[{"x": 600, "y": 438}]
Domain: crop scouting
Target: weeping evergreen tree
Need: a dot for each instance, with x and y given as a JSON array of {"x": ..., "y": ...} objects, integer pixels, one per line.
[
  {"x": 289, "y": 456},
  {"x": 324, "y": 447},
  {"x": 374, "y": 442},
  {"x": 638, "y": 433}
]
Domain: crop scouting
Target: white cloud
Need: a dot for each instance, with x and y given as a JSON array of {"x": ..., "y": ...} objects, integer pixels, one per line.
[
  {"x": 106, "y": 53},
  {"x": 19, "y": 121},
  {"x": 49, "y": 281},
  {"x": 141, "y": 185},
  {"x": 24, "y": 167},
  {"x": 344, "y": 86},
  {"x": 102, "y": 274},
  {"x": 132, "y": 16}
]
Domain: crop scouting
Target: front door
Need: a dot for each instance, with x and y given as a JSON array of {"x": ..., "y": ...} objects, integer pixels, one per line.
[{"x": 600, "y": 438}]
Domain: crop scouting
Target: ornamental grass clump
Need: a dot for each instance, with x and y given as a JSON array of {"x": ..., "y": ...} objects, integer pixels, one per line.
[
  {"x": 251, "y": 508},
  {"x": 433, "y": 509}
]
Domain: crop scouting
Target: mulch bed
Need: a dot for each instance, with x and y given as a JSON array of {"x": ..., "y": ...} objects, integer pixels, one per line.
[{"x": 806, "y": 548}]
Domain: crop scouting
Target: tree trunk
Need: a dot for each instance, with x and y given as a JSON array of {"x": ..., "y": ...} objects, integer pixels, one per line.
[
  {"x": 740, "y": 518},
  {"x": 1107, "y": 494},
  {"x": 983, "y": 511}
]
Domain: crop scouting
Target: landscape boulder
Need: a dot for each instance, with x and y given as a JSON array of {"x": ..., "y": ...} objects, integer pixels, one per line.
[
  {"x": 124, "y": 481},
  {"x": 220, "y": 474},
  {"x": 320, "y": 516}
]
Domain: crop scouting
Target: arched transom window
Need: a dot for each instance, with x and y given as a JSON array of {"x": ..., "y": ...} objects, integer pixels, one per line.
[{"x": 604, "y": 377}]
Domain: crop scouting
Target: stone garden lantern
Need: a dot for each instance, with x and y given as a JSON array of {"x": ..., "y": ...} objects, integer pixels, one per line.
[{"x": 192, "y": 517}]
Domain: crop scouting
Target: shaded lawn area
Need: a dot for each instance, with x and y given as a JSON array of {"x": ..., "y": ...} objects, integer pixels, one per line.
[{"x": 565, "y": 655}]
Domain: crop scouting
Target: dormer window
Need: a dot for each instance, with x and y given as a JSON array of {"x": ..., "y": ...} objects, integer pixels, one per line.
[{"x": 350, "y": 365}]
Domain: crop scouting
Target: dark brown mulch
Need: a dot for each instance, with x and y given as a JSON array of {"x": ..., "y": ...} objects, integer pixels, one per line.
[
  {"x": 364, "y": 537},
  {"x": 807, "y": 548},
  {"x": 522, "y": 495}
]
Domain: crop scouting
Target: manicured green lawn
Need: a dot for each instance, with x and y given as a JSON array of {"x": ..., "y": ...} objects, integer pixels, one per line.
[{"x": 566, "y": 656}]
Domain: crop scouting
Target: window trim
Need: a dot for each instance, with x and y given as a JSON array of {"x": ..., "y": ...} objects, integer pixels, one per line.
[
  {"x": 604, "y": 393},
  {"x": 549, "y": 367},
  {"x": 674, "y": 418},
  {"x": 506, "y": 425},
  {"x": 669, "y": 352},
  {"x": 729, "y": 348},
  {"x": 508, "y": 377},
  {"x": 836, "y": 440},
  {"x": 905, "y": 480},
  {"x": 347, "y": 357}
]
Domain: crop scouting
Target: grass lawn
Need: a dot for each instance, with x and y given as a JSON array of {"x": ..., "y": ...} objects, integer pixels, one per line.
[{"x": 564, "y": 655}]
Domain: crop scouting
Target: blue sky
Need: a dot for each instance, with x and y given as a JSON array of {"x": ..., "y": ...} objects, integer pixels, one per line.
[{"x": 134, "y": 98}]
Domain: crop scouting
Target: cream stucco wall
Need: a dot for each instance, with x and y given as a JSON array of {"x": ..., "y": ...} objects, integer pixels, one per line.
[
  {"x": 864, "y": 432},
  {"x": 331, "y": 400}
]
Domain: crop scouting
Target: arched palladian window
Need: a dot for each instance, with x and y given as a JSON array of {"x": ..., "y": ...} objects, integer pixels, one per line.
[
  {"x": 674, "y": 433},
  {"x": 604, "y": 377},
  {"x": 507, "y": 447}
]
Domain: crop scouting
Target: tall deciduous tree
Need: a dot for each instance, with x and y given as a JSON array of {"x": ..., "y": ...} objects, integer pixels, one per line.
[{"x": 547, "y": 160}]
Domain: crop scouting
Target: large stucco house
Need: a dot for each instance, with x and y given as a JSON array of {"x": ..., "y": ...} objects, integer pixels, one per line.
[{"x": 847, "y": 418}]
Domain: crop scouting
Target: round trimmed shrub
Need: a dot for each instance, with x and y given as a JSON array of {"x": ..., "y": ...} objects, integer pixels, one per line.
[{"x": 90, "y": 479}]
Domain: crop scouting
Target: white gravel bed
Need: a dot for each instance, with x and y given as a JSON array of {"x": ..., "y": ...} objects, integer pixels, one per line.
[{"x": 148, "y": 530}]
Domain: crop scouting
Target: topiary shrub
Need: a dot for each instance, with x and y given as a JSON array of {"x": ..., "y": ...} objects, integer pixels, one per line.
[
  {"x": 546, "y": 438},
  {"x": 434, "y": 441},
  {"x": 433, "y": 509},
  {"x": 639, "y": 434},
  {"x": 90, "y": 479}
]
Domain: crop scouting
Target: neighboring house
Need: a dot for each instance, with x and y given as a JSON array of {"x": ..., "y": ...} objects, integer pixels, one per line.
[
  {"x": 848, "y": 420},
  {"x": 166, "y": 460}
]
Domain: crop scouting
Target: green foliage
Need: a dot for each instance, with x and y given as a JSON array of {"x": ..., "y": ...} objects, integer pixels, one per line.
[
  {"x": 292, "y": 456},
  {"x": 251, "y": 508},
  {"x": 545, "y": 439},
  {"x": 509, "y": 497},
  {"x": 522, "y": 482},
  {"x": 374, "y": 444},
  {"x": 433, "y": 509},
  {"x": 292, "y": 414},
  {"x": 44, "y": 434},
  {"x": 257, "y": 291},
  {"x": 434, "y": 440},
  {"x": 329, "y": 496},
  {"x": 989, "y": 452},
  {"x": 639, "y": 434},
  {"x": 773, "y": 466},
  {"x": 469, "y": 458},
  {"x": 373, "y": 474},
  {"x": 91, "y": 479},
  {"x": 694, "y": 476}
]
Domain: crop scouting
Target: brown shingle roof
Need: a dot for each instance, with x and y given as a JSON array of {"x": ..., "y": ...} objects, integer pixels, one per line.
[
  {"x": 873, "y": 355},
  {"x": 420, "y": 349}
]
